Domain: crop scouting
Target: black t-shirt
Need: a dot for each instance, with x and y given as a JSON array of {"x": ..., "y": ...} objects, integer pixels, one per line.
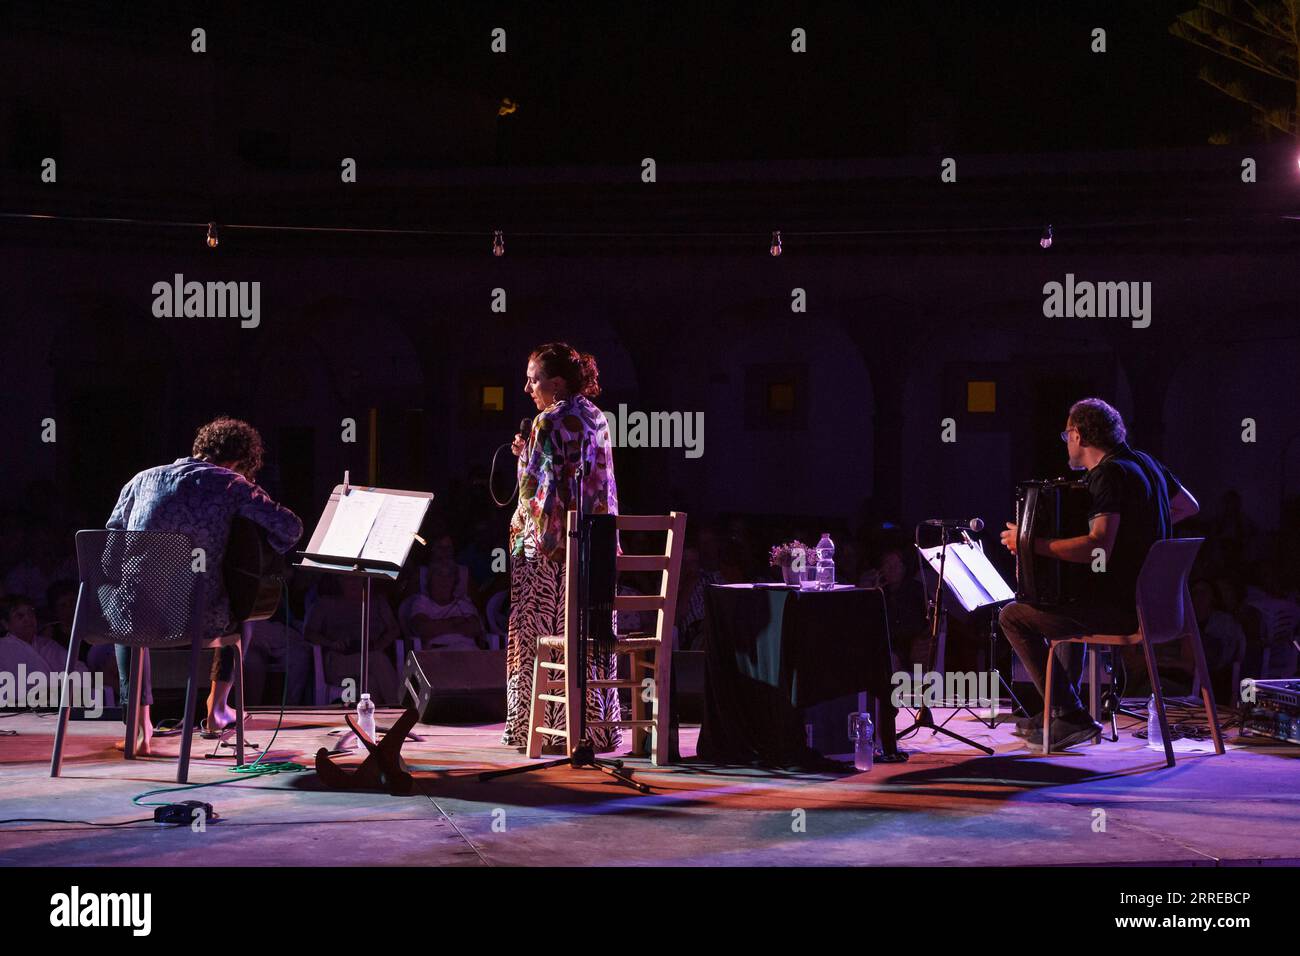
[{"x": 1136, "y": 487}]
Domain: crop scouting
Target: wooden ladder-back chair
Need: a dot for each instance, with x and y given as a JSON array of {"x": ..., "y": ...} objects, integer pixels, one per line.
[{"x": 649, "y": 654}]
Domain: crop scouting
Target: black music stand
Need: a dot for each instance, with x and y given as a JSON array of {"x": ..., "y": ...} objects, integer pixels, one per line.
[
  {"x": 380, "y": 551},
  {"x": 989, "y": 595},
  {"x": 924, "y": 716}
]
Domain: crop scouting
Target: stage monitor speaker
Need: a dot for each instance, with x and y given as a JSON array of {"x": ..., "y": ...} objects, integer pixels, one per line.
[{"x": 455, "y": 686}]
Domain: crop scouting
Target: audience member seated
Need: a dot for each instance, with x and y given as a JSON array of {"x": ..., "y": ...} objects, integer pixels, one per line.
[
  {"x": 22, "y": 643},
  {"x": 848, "y": 562},
  {"x": 690, "y": 599},
  {"x": 1278, "y": 617},
  {"x": 733, "y": 566},
  {"x": 1221, "y": 636},
  {"x": 709, "y": 543},
  {"x": 442, "y": 619},
  {"x": 905, "y": 602},
  {"x": 442, "y": 556},
  {"x": 61, "y": 599},
  {"x": 334, "y": 622},
  {"x": 632, "y": 622},
  {"x": 280, "y": 647},
  {"x": 477, "y": 556},
  {"x": 14, "y": 651}
]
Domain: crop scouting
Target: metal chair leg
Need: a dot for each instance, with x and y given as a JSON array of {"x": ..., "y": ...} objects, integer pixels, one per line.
[
  {"x": 136, "y": 669},
  {"x": 65, "y": 705},
  {"x": 1094, "y": 688},
  {"x": 239, "y": 704},
  {"x": 1207, "y": 690},
  {"x": 1047, "y": 700},
  {"x": 187, "y": 726},
  {"x": 1153, "y": 675}
]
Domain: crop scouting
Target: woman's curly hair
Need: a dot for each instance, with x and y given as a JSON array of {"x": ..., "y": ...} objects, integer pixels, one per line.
[{"x": 228, "y": 440}]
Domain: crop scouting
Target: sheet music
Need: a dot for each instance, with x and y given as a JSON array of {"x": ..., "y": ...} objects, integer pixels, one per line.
[
  {"x": 394, "y": 528},
  {"x": 350, "y": 527},
  {"x": 971, "y": 576}
]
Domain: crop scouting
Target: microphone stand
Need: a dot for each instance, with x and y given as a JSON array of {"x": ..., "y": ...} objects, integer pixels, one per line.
[
  {"x": 584, "y": 752},
  {"x": 924, "y": 716}
]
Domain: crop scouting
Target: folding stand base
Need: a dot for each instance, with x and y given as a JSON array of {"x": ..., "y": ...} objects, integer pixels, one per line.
[
  {"x": 383, "y": 768},
  {"x": 583, "y": 758},
  {"x": 925, "y": 720}
]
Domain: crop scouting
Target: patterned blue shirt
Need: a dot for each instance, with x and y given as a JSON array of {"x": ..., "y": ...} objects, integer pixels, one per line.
[{"x": 200, "y": 499}]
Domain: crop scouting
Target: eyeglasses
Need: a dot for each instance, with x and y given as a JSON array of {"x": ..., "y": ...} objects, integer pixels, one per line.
[{"x": 1065, "y": 435}]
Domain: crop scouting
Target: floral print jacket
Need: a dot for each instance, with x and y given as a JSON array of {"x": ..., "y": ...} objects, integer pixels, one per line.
[
  {"x": 548, "y": 476},
  {"x": 200, "y": 499}
]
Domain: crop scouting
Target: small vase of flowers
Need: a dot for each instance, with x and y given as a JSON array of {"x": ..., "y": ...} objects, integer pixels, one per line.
[{"x": 792, "y": 559}]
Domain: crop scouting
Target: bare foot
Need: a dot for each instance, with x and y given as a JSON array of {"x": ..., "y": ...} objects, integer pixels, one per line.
[
  {"x": 219, "y": 718},
  {"x": 142, "y": 748},
  {"x": 144, "y": 733}
]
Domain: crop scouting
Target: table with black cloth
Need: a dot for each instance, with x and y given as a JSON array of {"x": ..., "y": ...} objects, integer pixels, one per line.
[{"x": 772, "y": 653}]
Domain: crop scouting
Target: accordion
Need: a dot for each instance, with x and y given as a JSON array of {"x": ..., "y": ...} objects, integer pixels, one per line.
[{"x": 1049, "y": 509}]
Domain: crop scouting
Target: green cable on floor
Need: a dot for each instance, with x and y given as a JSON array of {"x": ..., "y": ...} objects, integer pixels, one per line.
[
  {"x": 254, "y": 769},
  {"x": 257, "y": 768}
]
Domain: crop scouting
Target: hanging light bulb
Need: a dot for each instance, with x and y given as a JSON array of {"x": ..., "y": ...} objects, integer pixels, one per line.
[
  {"x": 212, "y": 235},
  {"x": 498, "y": 243},
  {"x": 1046, "y": 241},
  {"x": 776, "y": 243}
]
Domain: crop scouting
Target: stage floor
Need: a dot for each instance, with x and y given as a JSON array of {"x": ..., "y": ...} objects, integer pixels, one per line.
[{"x": 946, "y": 806}]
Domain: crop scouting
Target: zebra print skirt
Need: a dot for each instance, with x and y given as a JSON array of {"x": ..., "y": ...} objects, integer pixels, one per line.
[{"x": 537, "y": 610}]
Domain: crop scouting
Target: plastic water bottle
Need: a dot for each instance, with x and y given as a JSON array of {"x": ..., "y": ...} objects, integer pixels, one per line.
[
  {"x": 864, "y": 740},
  {"x": 1155, "y": 740},
  {"x": 826, "y": 562},
  {"x": 366, "y": 718}
]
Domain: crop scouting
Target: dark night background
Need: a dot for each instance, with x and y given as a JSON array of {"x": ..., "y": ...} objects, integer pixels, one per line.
[{"x": 915, "y": 287}]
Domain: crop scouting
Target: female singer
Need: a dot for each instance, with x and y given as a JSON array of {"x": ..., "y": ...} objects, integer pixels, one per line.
[{"x": 561, "y": 382}]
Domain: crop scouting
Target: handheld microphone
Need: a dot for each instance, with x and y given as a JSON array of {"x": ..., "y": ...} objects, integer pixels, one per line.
[
  {"x": 974, "y": 524},
  {"x": 525, "y": 426}
]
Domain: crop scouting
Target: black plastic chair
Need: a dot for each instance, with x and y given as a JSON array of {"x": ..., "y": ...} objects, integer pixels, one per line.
[{"x": 140, "y": 588}]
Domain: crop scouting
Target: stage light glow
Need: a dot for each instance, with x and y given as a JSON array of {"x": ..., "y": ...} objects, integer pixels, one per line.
[
  {"x": 776, "y": 243},
  {"x": 212, "y": 235},
  {"x": 1046, "y": 241},
  {"x": 498, "y": 243}
]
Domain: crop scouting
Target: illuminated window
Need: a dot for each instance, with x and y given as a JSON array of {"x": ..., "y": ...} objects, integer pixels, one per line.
[
  {"x": 780, "y": 397},
  {"x": 492, "y": 398},
  {"x": 981, "y": 396}
]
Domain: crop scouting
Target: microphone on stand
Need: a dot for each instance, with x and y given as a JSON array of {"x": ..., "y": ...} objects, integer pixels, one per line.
[{"x": 974, "y": 524}]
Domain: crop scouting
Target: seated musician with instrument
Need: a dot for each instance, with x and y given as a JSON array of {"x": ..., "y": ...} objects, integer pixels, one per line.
[
  {"x": 200, "y": 496},
  {"x": 1135, "y": 501}
]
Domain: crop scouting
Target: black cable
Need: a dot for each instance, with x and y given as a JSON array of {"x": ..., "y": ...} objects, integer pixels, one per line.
[
  {"x": 87, "y": 823},
  {"x": 492, "y": 473}
]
